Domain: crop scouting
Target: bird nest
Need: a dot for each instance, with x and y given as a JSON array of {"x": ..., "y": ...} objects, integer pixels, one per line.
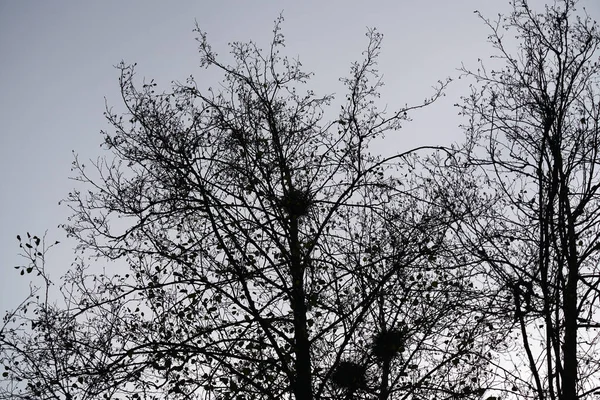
[
  {"x": 390, "y": 343},
  {"x": 297, "y": 202},
  {"x": 349, "y": 375}
]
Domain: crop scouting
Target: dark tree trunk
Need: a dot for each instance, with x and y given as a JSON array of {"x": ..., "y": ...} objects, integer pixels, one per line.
[{"x": 303, "y": 382}]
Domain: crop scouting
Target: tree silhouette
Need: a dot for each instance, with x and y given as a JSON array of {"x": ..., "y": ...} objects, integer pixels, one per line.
[
  {"x": 527, "y": 180},
  {"x": 263, "y": 252}
]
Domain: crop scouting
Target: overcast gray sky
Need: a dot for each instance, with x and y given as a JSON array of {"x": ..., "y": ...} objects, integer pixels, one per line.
[{"x": 56, "y": 69}]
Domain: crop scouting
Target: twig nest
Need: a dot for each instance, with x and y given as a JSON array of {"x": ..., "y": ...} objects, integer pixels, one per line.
[
  {"x": 297, "y": 202},
  {"x": 349, "y": 375},
  {"x": 390, "y": 343}
]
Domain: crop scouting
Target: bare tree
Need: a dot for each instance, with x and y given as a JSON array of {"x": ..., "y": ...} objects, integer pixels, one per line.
[
  {"x": 263, "y": 252},
  {"x": 526, "y": 186}
]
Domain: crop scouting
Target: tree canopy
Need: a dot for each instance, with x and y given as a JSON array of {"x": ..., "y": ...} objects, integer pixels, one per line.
[{"x": 256, "y": 247}]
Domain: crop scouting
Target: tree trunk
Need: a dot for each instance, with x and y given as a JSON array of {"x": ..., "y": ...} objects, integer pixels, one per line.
[{"x": 303, "y": 382}]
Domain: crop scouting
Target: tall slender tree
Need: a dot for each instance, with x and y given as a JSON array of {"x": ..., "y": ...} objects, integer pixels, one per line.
[
  {"x": 263, "y": 252},
  {"x": 527, "y": 185}
]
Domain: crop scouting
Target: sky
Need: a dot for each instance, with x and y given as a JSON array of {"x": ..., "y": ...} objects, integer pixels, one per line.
[{"x": 57, "y": 73}]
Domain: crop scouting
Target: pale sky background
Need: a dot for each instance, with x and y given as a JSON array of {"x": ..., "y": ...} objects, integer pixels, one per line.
[{"x": 56, "y": 69}]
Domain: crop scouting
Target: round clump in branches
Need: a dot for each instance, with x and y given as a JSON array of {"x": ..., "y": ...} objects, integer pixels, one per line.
[
  {"x": 390, "y": 343},
  {"x": 297, "y": 202},
  {"x": 350, "y": 375}
]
